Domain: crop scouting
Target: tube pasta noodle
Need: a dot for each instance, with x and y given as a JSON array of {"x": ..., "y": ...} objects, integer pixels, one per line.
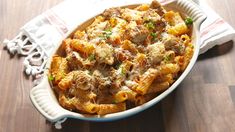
[
  {"x": 158, "y": 87},
  {"x": 58, "y": 68},
  {"x": 126, "y": 65},
  {"x": 187, "y": 57},
  {"x": 82, "y": 46},
  {"x": 139, "y": 100},
  {"x": 128, "y": 45},
  {"x": 169, "y": 69},
  {"x": 91, "y": 107},
  {"x": 146, "y": 80},
  {"x": 165, "y": 78},
  {"x": 131, "y": 95},
  {"x": 141, "y": 59},
  {"x": 186, "y": 39},
  {"x": 124, "y": 95},
  {"x": 65, "y": 102},
  {"x": 123, "y": 59},
  {"x": 66, "y": 81},
  {"x": 121, "y": 96},
  {"x": 66, "y": 45},
  {"x": 111, "y": 108},
  {"x": 177, "y": 25}
]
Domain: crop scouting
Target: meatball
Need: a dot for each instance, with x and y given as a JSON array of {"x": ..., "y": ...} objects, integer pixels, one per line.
[{"x": 137, "y": 34}]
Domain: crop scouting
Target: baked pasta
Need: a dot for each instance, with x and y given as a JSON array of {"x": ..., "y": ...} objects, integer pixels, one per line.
[{"x": 123, "y": 59}]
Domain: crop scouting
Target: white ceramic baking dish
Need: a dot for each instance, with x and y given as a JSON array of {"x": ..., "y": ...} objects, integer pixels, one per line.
[{"x": 44, "y": 99}]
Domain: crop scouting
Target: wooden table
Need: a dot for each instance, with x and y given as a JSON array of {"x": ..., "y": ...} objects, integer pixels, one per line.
[{"x": 205, "y": 101}]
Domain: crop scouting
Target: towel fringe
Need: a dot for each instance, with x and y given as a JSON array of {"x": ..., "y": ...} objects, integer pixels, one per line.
[{"x": 36, "y": 58}]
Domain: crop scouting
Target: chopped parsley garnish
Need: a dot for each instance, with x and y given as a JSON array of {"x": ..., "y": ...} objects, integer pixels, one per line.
[
  {"x": 181, "y": 48},
  {"x": 118, "y": 65},
  {"x": 114, "y": 101},
  {"x": 106, "y": 34},
  {"x": 123, "y": 71},
  {"x": 191, "y": 46},
  {"x": 150, "y": 25},
  {"x": 90, "y": 73},
  {"x": 188, "y": 21},
  {"x": 51, "y": 78},
  {"x": 108, "y": 29},
  {"x": 102, "y": 37},
  {"x": 91, "y": 57},
  {"x": 168, "y": 58},
  {"x": 154, "y": 36}
]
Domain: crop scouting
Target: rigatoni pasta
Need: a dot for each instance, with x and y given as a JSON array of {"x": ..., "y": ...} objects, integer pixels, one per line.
[{"x": 123, "y": 59}]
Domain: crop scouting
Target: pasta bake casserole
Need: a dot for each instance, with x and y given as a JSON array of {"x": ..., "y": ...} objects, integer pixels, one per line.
[{"x": 123, "y": 59}]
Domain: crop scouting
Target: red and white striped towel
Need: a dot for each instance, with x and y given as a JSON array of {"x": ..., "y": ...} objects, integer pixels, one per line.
[
  {"x": 41, "y": 35},
  {"x": 214, "y": 31}
]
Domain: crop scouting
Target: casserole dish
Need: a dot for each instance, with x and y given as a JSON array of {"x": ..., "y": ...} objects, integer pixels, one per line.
[{"x": 44, "y": 98}]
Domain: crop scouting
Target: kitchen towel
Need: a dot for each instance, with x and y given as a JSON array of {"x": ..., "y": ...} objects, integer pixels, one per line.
[{"x": 39, "y": 37}]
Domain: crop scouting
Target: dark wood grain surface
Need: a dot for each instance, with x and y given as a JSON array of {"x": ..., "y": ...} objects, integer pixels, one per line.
[{"x": 204, "y": 102}]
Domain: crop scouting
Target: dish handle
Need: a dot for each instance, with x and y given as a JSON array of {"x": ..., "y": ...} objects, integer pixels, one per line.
[
  {"x": 45, "y": 103},
  {"x": 193, "y": 10}
]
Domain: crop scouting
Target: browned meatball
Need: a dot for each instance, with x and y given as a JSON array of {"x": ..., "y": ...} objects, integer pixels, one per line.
[
  {"x": 112, "y": 12},
  {"x": 138, "y": 34}
]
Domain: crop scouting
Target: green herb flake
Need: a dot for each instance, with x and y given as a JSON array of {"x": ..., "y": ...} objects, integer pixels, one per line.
[
  {"x": 181, "y": 48},
  {"x": 108, "y": 29},
  {"x": 154, "y": 36},
  {"x": 91, "y": 57},
  {"x": 102, "y": 37},
  {"x": 191, "y": 46},
  {"x": 188, "y": 21},
  {"x": 123, "y": 71},
  {"x": 90, "y": 73},
  {"x": 117, "y": 65},
  {"x": 150, "y": 25},
  {"x": 51, "y": 78},
  {"x": 167, "y": 58},
  {"x": 108, "y": 34},
  {"x": 114, "y": 101}
]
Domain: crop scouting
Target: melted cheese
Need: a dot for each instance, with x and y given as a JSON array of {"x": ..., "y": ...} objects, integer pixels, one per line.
[{"x": 123, "y": 52}]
